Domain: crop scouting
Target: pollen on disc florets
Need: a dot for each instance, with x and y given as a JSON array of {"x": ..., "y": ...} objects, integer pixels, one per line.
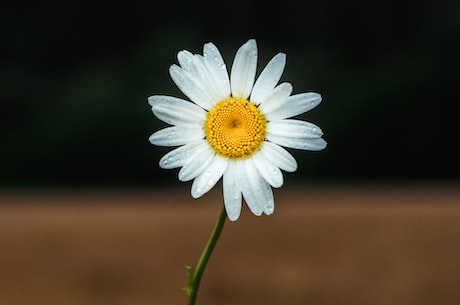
[{"x": 235, "y": 128}]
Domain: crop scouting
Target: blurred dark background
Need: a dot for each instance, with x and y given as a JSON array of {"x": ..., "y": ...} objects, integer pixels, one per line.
[{"x": 75, "y": 77}]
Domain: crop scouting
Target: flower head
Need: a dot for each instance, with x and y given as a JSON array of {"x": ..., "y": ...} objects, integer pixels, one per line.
[{"x": 234, "y": 127}]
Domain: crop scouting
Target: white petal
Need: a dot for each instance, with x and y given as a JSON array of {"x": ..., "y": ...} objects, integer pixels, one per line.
[
  {"x": 244, "y": 69},
  {"x": 268, "y": 79},
  {"x": 176, "y": 111},
  {"x": 232, "y": 191},
  {"x": 205, "y": 74},
  {"x": 294, "y": 129},
  {"x": 270, "y": 172},
  {"x": 218, "y": 70},
  {"x": 191, "y": 87},
  {"x": 296, "y": 143},
  {"x": 294, "y": 105},
  {"x": 185, "y": 59},
  {"x": 277, "y": 97},
  {"x": 182, "y": 155},
  {"x": 208, "y": 178},
  {"x": 176, "y": 136},
  {"x": 196, "y": 163},
  {"x": 195, "y": 67},
  {"x": 279, "y": 157},
  {"x": 249, "y": 195},
  {"x": 256, "y": 191}
]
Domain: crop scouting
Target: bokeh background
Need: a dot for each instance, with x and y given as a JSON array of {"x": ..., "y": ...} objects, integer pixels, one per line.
[
  {"x": 75, "y": 77},
  {"x": 88, "y": 217}
]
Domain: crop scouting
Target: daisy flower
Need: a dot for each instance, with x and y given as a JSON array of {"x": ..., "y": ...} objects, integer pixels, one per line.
[{"x": 234, "y": 127}]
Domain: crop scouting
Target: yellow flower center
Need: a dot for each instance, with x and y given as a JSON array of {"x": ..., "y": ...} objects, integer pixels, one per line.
[{"x": 235, "y": 128}]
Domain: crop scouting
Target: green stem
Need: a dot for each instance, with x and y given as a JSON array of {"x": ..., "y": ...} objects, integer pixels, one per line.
[{"x": 196, "y": 274}]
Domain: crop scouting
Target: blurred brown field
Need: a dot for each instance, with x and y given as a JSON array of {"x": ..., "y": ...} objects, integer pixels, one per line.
[{"x": 397, "y": 245}]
